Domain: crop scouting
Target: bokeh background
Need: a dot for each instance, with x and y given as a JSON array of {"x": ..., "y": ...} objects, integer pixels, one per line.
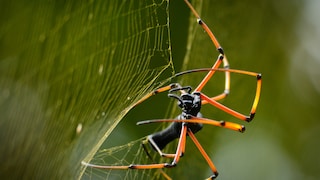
[{"x": 69, "y": 78}]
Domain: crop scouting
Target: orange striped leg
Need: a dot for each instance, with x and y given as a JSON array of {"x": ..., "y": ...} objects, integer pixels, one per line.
[
  {"x": 181, "y": 144},
  {"x": 210, "y": 74},
  {"x": 177, "y": 155},
  {"x": 220, "y": 57},
  {"x": 213, "y": 101},
  {"x": 155, "y": 146},
  {"x": 179, "y": 152},
  {"x": 227, "y": 82},
  {"x": 159, "y": 90},
  {"x": 132, "y": 166},
  {"x": 205, "y": 27},
  {"x": 227, "y": 87},
  {"x": 161, "y": 171},
  {"x": 193, "y": 119},
  {"x": 227, "y": 109},
  {"x": 204, "y": 154}
]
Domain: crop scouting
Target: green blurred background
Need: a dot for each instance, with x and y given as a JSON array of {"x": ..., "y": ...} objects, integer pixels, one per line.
[{"x": 70, "y": 72}]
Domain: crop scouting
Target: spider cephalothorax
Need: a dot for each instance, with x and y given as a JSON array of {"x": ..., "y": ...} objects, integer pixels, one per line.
[{"x": 190, "y": 103}]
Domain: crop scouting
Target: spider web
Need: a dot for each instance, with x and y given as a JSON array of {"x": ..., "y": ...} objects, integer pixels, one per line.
[
  {"x": 126, "y": 154},
  {"x": 132, "y": 153},
  {"x": 69, "y": 72},
  {"x": 145, "y": 26}
]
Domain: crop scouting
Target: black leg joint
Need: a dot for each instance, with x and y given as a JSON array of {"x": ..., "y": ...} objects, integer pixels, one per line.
[
  {"x": 214, "y": 176},
  {"x": 132, "y": 166},
  {"x": 243, "y": 128},
  {"x": 167, "y": 165},
  {"x": 182, "y": 154},
  {"x": 173, "y": 85},
  {"x": 259, "y": 76},
  {"x": 221, "y": 51},
  {"x": 249, "y": 118},
  {"x": 221, "y": 56}
]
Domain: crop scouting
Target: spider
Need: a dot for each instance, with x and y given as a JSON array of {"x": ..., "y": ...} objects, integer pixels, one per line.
[{"x": 190, "y": 121}]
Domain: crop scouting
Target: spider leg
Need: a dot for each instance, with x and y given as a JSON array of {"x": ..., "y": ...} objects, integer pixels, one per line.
[
  {"x": 227, "y": 109},
  {"x": 176, "y": 157},
  {"x": 159, "y": 90},
  {"x": 131, "y": 166},
  {"x": 221, "y": 57},
  {"x": 160, "y": 139},
  {"x": 156, "y": 147},
  {"x": 238, "y": 115},
  {"x": 143, "y": 145},
  {"x": 257, "y": 75},
  {"x": 210, "y": 74},
  {"x": 205, "y": 27},
  {"x": 181, "y": 144},
  {"x": 224, "y": 124},
  {"x": 204, "y": 154},
  {"x": 199, "y": 120},
  {"x": 179, "y": 152}
]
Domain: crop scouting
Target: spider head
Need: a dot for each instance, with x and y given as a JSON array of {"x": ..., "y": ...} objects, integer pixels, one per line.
[{"x": 190, "y": 103}]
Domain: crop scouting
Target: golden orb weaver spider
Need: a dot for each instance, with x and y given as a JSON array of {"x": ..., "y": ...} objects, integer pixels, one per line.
[{"x": 190, "y": 121}]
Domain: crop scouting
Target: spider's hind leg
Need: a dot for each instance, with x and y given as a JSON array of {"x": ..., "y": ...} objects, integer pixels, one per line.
[{"x": 160, "y": 139}]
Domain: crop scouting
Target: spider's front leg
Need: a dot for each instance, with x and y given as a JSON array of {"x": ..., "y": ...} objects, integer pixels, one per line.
[{"x": 159, "y": 90}]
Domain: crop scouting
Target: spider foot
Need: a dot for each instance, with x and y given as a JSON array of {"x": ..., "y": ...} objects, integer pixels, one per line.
[{"x": 214, "y": 176}]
